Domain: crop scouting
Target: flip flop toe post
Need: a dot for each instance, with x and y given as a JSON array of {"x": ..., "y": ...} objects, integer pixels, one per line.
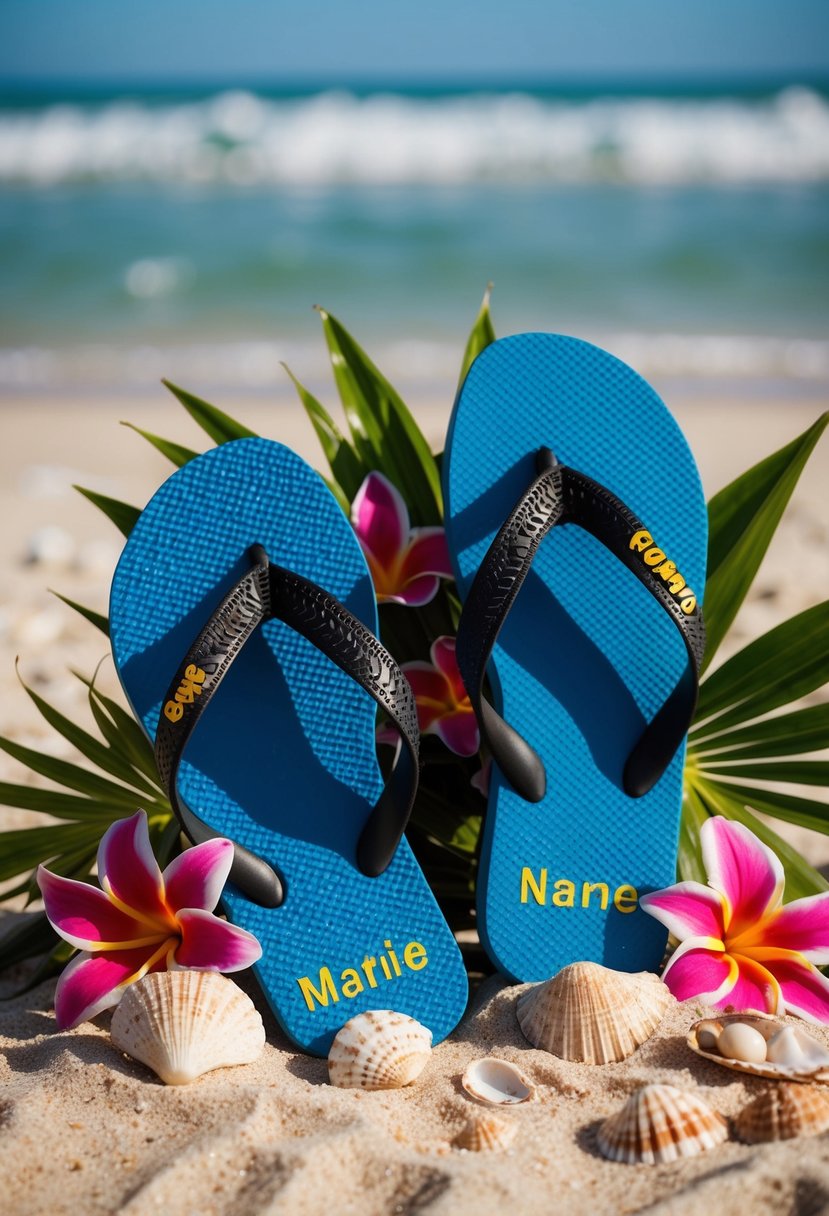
[
  {"x": 577, "y": 526},
  {"x": 243, "y": 626}
]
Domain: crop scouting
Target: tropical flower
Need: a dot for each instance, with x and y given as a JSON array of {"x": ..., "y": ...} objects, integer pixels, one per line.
[
  {"x": 740, "y": 946},
  {"x": 141, "y": 920},
  {"x": 406, "y": 563},
  {"x": 443, "y": 706}
]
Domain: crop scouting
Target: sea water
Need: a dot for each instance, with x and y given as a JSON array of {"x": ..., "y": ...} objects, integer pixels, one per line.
[{"x": 189, "y": 235}]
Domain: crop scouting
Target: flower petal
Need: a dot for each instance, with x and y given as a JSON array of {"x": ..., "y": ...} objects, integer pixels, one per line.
[
  {"x": 86, "y": 917},
  {"x": 803, "y": 989},
  {"x": 94, "y": 982},
  {"x": 426, "y": 553},
  {"x": 754, "y": 988},
  {"x": 196, "y": 878},
  {"x": 128, "y": 870},
  {"x": 459, "y": 731},
  {"x": 444, "y": 658},
  {"x": 687, "y": 909},
  {"x": 802, "y": 925},
  {"x": 699, "y": 969},
  {"x": 414, "y": 594},
  {"x": 380, "y": 519},
  {"x": 431, "y": 692},
  {"x": 480, "y": 781},
  {"x": 742, "y": 869},
  {"x": 210, "y": 944}
]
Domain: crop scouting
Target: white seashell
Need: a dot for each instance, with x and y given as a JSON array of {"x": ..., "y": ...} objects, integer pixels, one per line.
[
  {"x": 589, "y": 1013},
  {"x": 739, "y": 1041},
  {"x": 497, "y": 1082},
  {"x": 379, "y": 1049},
  {"x": 783, "y": 1112},
  {"x": 660, "y": 1123},
  {"x": 182, "y": 1024},
  {"x": 800, "y": 1056},
  {"x": 485, "y": 1133}
]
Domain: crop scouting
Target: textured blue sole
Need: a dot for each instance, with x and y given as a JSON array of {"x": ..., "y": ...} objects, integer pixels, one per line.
[
  {"x": 283, "y": 760},
  {"x": 586, "y": 656}
]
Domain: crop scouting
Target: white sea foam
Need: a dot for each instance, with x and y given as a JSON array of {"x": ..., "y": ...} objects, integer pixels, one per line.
[
  {"x": 419, "y": 365},
  {"x": 334, "y": 138}
]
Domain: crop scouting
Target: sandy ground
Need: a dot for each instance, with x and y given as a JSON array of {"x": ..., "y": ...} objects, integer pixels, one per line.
[{"x": 83, "y": 1129}]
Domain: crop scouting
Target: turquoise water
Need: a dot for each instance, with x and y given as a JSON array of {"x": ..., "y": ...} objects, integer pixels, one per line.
[{"x": 147, "y": 234}]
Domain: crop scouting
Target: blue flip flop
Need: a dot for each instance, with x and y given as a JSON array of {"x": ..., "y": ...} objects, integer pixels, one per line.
[
  {"x": 570, "y": 495},
  {"x": 243, "y": 626}
]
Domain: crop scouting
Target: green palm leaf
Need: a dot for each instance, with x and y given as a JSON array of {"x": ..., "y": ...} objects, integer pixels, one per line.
[
  {"x": 482, "y": 334},
  {"x": 219, "y": 426},
  {"x": 173, "y": 451},
  {"x": 122, "y": 514}
]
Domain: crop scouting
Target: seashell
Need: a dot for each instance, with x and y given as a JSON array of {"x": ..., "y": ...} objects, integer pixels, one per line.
[
  {"x": 660, "y": 1123},
  {"x": 378, "y": 1049},
  {"x": 782, "y": 1112},
  {"x": 797, "y": 1056},
  {"x": 497, "y": 1082},
  {"x": 589, "y": 1013},
  {"x": 182, "y": 1024},
  {"x": 485, "y": 1133}
]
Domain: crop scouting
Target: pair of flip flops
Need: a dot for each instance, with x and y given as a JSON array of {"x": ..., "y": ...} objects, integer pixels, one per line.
[{"x": 243, "y": 580}]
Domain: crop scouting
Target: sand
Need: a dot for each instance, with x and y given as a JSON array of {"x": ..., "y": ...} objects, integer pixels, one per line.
[{"x": 83, "y": 1129}]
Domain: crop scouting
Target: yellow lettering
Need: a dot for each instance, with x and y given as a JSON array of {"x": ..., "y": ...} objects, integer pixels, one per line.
[
  {"x": 351, "y": 982},
  {"x": 173, "y": 711},
  {"x": 414, "y": 956},
  {"x": 625, "y": 898},
  {"x": 321, "y": 995},
  {"x": 653, "y": 557},
  {"x": 688, "y": 605},
  {"x": 676, "y": 584},
  {"x": 368, "y": 965},
  {"x": 640, "y": 540},
  {"x": 393, "y": 958},
  {"x": 385, "y": 965},
  {"x": 565, "y": 896},
  {"x": 666, "y": 570},
  {"x": 587, "y": 888},
  {"x": 528, "y": 883}
]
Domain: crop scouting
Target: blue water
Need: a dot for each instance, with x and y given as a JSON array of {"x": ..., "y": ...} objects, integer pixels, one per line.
[{"x": 694, "y": 228}]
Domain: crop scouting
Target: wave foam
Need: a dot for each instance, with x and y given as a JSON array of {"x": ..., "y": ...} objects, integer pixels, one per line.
[{"x": 335, "y": 138}]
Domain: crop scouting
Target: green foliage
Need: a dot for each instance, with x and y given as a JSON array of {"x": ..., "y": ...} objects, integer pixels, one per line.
[{"x": 742, "y": 734}]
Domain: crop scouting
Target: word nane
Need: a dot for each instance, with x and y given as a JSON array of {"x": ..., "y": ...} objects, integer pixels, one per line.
[
  {"x": 567, "y": 894},
  {"x": 653, "y": 556},
  {"x": 354, "y": 980},
  {"x": 186, "y": 693}
]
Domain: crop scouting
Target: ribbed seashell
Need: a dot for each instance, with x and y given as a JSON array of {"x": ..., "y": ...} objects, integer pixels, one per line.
[
  {"x": 182, "y": 1024},
  {"x": 592, "y": 1014},
  {"x": 485, "y": 1133},
  {"x": 660, "y": 1123},
  {"x": 379, "y": 1049},
  {"x": 783, "y": 1112},
  {"x": 497, "y": 1082},
  {"x": 795, "y": 1054}
]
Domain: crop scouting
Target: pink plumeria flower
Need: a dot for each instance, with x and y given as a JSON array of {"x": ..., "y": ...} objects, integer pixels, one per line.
[
  {"x": 443, "y": 706},
  {"x": 406, "y": 563},
  {"x": 141, "y": 920},
  {"x": 740, "y": 946}
]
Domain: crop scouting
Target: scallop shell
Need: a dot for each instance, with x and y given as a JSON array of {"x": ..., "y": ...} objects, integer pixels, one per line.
[
  {"x": 379, "y": 1049},
  {"x": 589, "y": 1013},
  {"x": 485, "y": 1133},
  {"x": 497, "y": 1082},
  {"x": 182, "y": 1024},
  {"x": 783, "y": 1112},
  {"x": 809, "y": 1059},
  {"x": 660, "y": 1123}
]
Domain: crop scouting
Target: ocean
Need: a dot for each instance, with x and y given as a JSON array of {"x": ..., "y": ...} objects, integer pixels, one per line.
[{"x": 189, "y": 235}]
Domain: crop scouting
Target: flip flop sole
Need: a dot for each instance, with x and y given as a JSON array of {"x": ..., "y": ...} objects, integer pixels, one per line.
[
  {"x": 585, "y": 656},
  {"x": 283, "y": 760}
]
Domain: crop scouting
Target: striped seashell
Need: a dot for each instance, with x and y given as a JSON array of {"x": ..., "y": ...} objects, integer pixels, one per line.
[
  {"x": 379, "y": 1049},
  {"x": 783, "y": 1112},
  {"x": 182, "y": 1024},
  {"x": 485, "y": 1133},
  {"x": 592, "y": 1014},
  {"x": 660, "y": 1123},
  {"x": 791, "y": 1053}
]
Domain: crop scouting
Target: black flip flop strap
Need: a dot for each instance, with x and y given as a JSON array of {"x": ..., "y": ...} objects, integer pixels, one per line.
[
  {"x": 265, "y": 592},
  {"x": 561, "y": 495}
]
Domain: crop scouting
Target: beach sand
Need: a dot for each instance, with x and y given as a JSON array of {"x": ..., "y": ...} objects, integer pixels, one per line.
[{"x": 85, "y": 1130}]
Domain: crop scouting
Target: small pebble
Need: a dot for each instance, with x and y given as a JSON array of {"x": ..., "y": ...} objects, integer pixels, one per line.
[{"x": 740, "y": 1042}]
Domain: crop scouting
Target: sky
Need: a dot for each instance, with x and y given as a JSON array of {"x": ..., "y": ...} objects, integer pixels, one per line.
[{"x": 392, "y": 40}]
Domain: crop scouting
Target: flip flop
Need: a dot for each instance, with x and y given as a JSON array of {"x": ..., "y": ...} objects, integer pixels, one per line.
[
  {"x": 561, "y": 458},
  {"x": 243, "y": 592}
]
